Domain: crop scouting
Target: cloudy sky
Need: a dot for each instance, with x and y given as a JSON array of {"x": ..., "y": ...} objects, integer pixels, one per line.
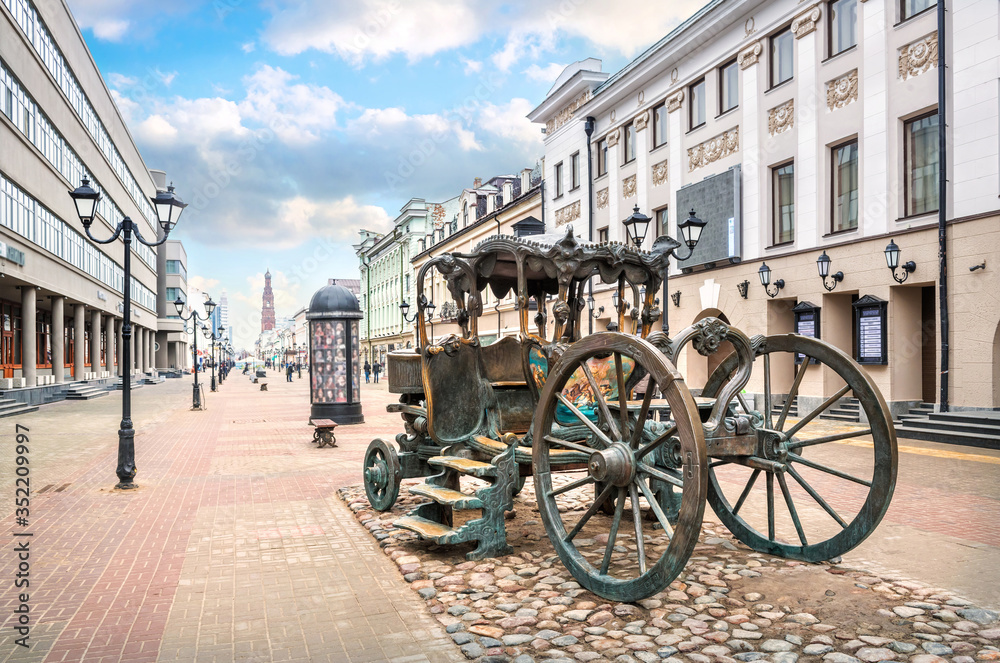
[{"x": 288, "y": 125}]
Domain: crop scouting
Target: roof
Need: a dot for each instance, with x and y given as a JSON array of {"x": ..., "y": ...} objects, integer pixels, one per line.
[{"x": 334, "y": 301}]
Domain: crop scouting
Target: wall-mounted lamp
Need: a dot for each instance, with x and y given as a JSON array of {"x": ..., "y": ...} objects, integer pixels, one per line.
[
  {"x": 823, "y": 266},
  {"x": 981, "y": 265},
  {"x": 892, "y": 260},
  {"x": 765, "y": 280},
  {"x": 744, "y": 288},
  {"x": 676, "y": 297},
  {"x": 591, "y": 304}
]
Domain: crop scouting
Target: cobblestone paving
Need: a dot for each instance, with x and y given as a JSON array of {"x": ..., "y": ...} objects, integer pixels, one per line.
[
  {"x": 234, "y": 548},
  {"x": 730, "y": 603}
]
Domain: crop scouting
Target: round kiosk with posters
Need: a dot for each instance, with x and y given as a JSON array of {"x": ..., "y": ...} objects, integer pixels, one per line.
[{"x": 334, "y": 370}]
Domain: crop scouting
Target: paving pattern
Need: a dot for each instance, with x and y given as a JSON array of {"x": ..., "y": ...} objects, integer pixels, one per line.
[{"x": 234, "y": 548}]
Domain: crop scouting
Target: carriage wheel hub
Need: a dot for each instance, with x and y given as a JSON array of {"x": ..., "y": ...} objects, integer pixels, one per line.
[
  {"x": 377, "y": 474},
  {"x": 614, "y": 465},
  {"x": 772, "y": 444}
]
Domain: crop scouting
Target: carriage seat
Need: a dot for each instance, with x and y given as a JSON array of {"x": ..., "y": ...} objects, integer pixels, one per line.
[{"x": 577, "y": 389}]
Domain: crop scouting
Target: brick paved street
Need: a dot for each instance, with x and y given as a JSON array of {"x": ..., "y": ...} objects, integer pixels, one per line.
[{"x": 237, "y": 547}]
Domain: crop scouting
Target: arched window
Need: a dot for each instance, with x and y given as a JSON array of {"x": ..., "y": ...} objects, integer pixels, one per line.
[{"x": 465, "y": 214}]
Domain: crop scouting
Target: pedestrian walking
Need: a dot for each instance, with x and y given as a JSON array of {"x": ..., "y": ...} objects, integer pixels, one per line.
[
  {"x": 288, "y": 372},
  {"x": 376, "y": 369},
  {"x": 368, "y": 371}
]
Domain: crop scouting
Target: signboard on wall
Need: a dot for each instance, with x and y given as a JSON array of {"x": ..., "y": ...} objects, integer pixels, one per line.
[
  {"x": 806, "y": 324},
  {"x": 717, "y": 200},
  {"x": 870, "y": 331}
]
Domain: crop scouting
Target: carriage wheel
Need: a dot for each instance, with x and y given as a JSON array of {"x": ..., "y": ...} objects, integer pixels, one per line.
[
  {"x": 845, "y": 483},
  {"x": 382, "y": 475},
  {"x": 626, "y": 459}
]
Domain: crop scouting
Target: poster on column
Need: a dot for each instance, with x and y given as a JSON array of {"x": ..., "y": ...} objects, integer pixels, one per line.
[{"x": 329, "y": 360}]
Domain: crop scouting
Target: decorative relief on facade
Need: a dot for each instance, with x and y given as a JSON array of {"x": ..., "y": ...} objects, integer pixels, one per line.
[
  {"x": 641, "y": 120},
  {"x": 749, "y": 56},
  {"x": 714, "y": 149},
  {"x": 628, "y": 187},
  {"x": 918, "y": 57},
  {"x": 569, "y": 213},
  {"x": 602, "y": 198},
  {"x": 564, "y": 115},
  {"x": 674, "y": 102},
  {"x": 660, "y": 173},
  {"x": 842, "y": 91},
  {"x": 781, "y": 118},
  {"x": 612, "y": 138},
  {"x": 806, "y": 23}
]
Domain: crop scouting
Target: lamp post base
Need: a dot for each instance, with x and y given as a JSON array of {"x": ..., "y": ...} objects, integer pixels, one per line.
[
  {"x": 125, "y": 485},
  {"x": 196, "y": 398},
  {"x": 213, "y": 383}
]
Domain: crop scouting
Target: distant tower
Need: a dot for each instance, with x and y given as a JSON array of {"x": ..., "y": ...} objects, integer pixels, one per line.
[{"x": 267, "y": 312}]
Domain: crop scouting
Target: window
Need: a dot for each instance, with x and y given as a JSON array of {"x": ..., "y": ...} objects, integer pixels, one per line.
[
  {"x": 465, "y": 214},
  {"x": 782, "y": 62},
  {"x": 661, "y": 217},
  {"x": 574, "y": 171},
  {"x": 660, "y": 125},
  {"x": 176, "y": 267},
  {"x": 602, "y": 157},
  {"x": 174, "y": 293},
  {"x": 845, "y": 186},
  {"x": 921, "y": 153},
  {"x": 602, "y": 235},
  {"x": 558, "y": 176},
  {"x": 911, "y": 8},
  {"x": 729, "y": 87},
  {"x": 783, "y": 203},
  {"x": 629, "y": 142},
  {"x": 843, "y": 25},
  {"x": 696, "y": 108}
]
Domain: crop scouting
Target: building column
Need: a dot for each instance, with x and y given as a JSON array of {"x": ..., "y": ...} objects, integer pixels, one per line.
[
  {"x": 109, "y": 331},
  {"x": 873, "y": 144},
  {"x": 95, "y": 341},
  {"x": 131, "y": 346},
  {"x": 79, "y": 331},
  {"x": 752, "y": 193},
  {"x": 675, "y": 162},
  {"x": 140, "y": 349},
  {"x": 29, "y": 339},
  {"x": 616, "y": 231},
  {"x": 152, "y": 349},
  {"x": 120, "y": 339},
  {"x": 810, "y": 224},
  {"x": 642, "y": 183},
  {"x": 58, "y": 339}
]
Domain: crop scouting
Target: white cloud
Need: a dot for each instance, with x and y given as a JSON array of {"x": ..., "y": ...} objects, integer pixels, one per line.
[
  {"x": 357, "y": 30},
  {"x": 201, "y": 283},
  {"x": 248, "y": 47},
  {"x": 546, "y": 74},
  {"x": 509, "y": 121},
  {"x": 296, "y": 112},
  {"x": 472, "y": 66},
  {"x": 110, "y": 29}
]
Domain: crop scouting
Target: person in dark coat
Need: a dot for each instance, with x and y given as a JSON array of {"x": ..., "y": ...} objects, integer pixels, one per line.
[
  {"x": 368, "y": 371},
  {"x": 376, "y": 369}
]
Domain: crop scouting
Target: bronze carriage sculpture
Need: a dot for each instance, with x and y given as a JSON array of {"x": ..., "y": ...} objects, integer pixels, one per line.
[{"x": 609, "y": 412}]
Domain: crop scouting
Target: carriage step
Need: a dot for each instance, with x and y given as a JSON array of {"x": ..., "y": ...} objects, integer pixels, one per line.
[
  {"x": 841, "y": 416},
  {"x": 453, "y": 498},
  {"x": 523, "y": 454},
  {"x": 464, "y": 465},
  {"x": 427, "y": 529}
]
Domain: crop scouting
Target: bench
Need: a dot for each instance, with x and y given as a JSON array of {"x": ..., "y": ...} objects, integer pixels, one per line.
[{"x": 324, "y": 433}]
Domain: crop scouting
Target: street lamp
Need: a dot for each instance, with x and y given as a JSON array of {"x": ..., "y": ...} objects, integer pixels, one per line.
[
  {"x": 168, "y": 211},
  {"x": 765, "y": 280},
  {"x": 636, "y": 227},
  {"x": 194, "y": 317},
  {"x": 209, "y": 334},
  {"x": 430, "y": 317},
  {"x": 892, "y": 260},
  {"x": 823, "y": 267}
]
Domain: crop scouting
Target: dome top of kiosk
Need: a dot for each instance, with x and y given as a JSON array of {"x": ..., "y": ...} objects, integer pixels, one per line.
[{"x": 334, "y": 301}]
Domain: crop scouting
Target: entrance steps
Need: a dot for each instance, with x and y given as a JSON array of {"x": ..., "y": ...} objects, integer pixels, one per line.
[
  {"x": 10, "y": 407},
  {"x": 848, "y": 409},
  {"x": 84, "y": 391},
  {"x": 976, "y": 428}
]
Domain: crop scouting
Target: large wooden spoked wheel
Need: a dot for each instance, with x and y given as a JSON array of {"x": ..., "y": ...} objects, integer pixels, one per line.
[
  {"x": 636, "y": 561},
  {"x": 826, "y": 485},
  {"x": 382, "y": 475}
]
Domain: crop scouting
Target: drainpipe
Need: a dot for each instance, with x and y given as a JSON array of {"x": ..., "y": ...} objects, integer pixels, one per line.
[
  {"x": 542, "y": 191},
  {"x": 943, "y": 202},
  {"x": 588, "y": 128}
]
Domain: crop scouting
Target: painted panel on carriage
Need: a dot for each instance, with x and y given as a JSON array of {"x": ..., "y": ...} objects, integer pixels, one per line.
[{"x": 577, "y": 390}]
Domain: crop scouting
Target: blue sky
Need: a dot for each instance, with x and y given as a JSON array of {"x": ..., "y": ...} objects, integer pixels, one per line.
[{"x": 290, "y": 125}]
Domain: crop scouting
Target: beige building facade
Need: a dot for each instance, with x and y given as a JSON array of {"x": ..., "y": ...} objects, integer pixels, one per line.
[
  {"x": 61, "y": 294},
  {"x": 798, "y": 129}
]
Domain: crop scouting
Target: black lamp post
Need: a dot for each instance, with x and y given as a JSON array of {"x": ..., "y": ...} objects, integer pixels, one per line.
[
  {"x": 209, "y": 334},
  {"x": 168, "y": 210},
  {"x": 765, "y": 280},
  {"x": 892, "y": 260},
  {"x": 690, "y": 230},
  {"x": 430, "y": 317},
  {"x": 194, "y": 317},
  {"x": 823, "y": 267}
]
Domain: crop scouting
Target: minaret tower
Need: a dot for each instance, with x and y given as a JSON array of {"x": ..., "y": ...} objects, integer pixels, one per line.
[{"x": 267, "y": 312}]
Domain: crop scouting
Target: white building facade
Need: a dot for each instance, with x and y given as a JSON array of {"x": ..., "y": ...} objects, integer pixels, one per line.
[{"x": 796, "y": 129}]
